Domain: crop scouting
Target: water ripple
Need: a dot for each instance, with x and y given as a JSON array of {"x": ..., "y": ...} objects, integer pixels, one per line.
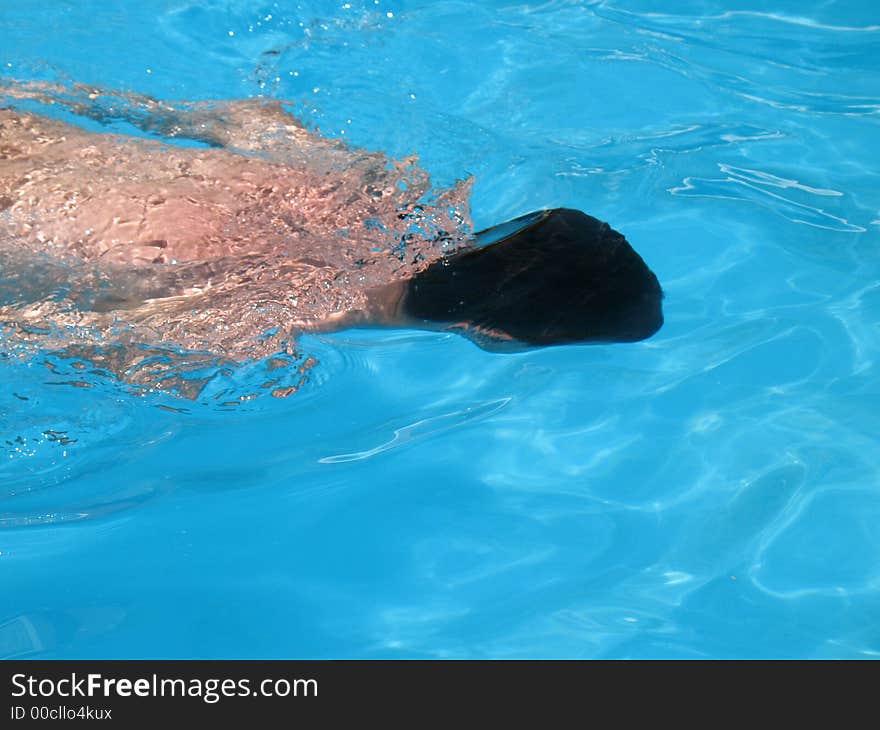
[
  {"x": 654, "y": 147},
  {"x": 753, "y": 186},
  {"x": 423, "y": 428},
  {"x": 753, "y": 55}
]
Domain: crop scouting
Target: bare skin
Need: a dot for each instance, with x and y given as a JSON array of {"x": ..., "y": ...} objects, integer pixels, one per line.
[{"x": 231, "y": 249}]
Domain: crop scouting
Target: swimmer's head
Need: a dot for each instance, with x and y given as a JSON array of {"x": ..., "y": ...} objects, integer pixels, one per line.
[{"x": 549, "y": 278}]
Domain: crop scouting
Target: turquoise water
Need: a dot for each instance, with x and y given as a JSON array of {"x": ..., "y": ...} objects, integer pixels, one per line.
[{"x": 712, "y": 492}]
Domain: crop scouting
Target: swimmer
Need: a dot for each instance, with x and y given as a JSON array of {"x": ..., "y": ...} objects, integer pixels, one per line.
[{"x": 252, "y": 229}]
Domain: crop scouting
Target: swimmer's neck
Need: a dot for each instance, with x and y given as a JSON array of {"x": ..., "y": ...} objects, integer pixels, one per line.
[
  {"x": 383, "y": 308},
  {"x": 386, "y": 308}
]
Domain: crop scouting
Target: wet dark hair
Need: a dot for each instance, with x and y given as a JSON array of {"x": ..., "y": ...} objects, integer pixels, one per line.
[{"x": 547, "y": 278}]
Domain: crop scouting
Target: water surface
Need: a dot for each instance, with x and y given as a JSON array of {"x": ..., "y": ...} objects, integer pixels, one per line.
[{"x": 712, "y": 492}]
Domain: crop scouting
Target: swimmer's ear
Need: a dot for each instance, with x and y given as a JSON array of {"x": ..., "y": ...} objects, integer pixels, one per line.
[{"x": 547, "y": 278}]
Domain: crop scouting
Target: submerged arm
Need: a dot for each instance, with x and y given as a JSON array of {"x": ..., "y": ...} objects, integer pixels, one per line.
[{"x": 248, "y": 125}]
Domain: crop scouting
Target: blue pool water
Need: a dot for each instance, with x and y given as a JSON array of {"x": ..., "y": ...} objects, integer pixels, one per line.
[{"x": 712, "y": 492}]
